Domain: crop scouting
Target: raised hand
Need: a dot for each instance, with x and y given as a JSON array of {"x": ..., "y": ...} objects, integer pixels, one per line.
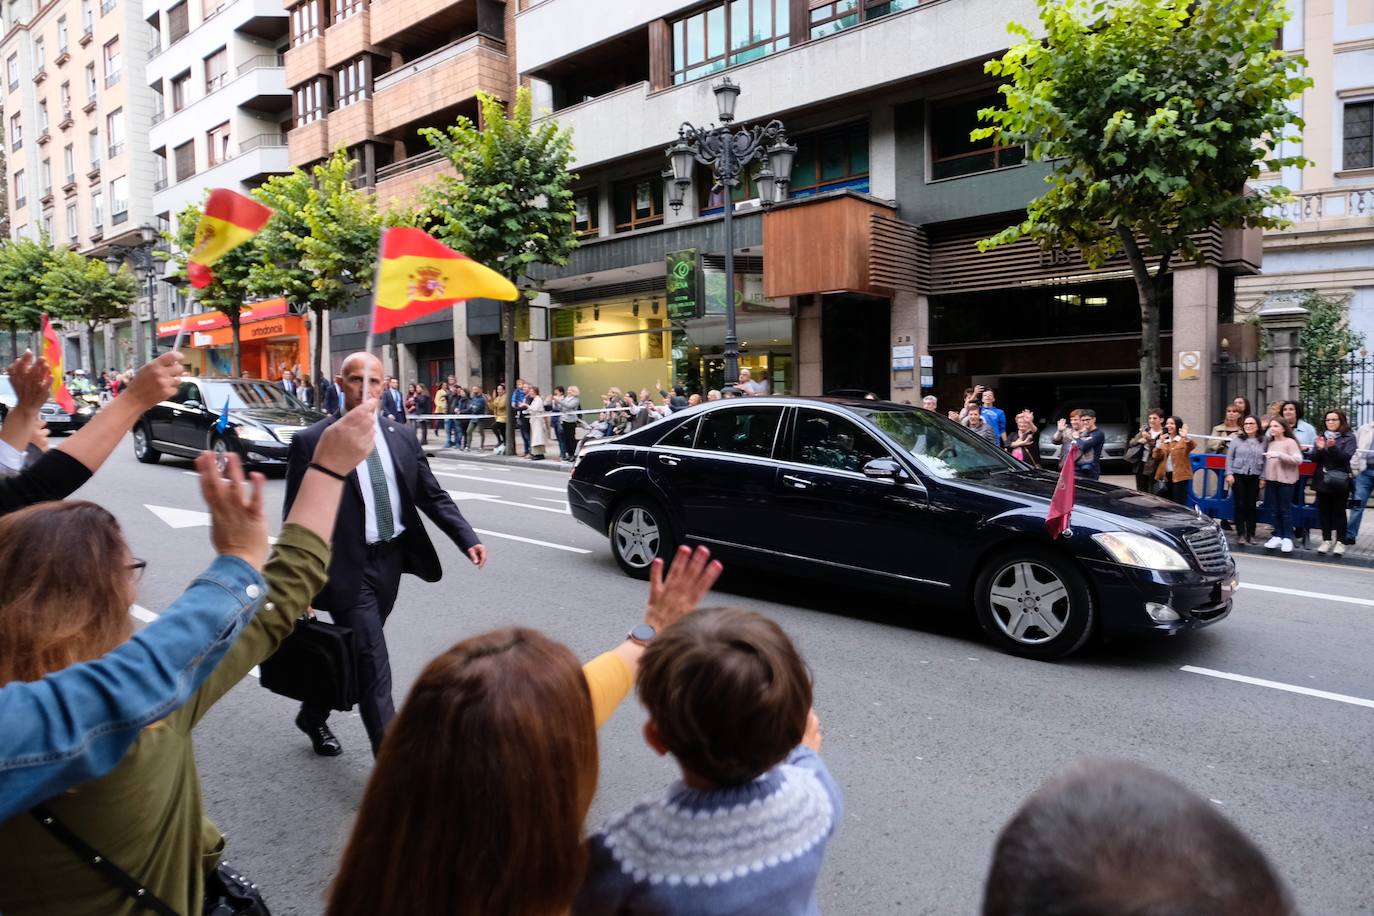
[
  {"x": 812, "y": 736},
  {"x": 156, "y": 381},
  {"x": 347, "y": 443},
  {"x": 238, "y": 523},
  {"x": 678, "y": 594},
  {"x": 32, "y": 381}
]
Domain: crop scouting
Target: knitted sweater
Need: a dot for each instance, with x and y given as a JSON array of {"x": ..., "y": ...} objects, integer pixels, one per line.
[{"x": 729, "y": 852}]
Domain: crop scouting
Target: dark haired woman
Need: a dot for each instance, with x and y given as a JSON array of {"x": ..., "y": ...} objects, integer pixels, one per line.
[
  {"x": 1147, "y": 437},
  {"x": 1244, "y": 468},
  {"x": 1282, "y": 458},
  {"x": 1335, "y": 448},
  {"x": 1174, "y": 471},
  {"x": 477, "y": 802}
]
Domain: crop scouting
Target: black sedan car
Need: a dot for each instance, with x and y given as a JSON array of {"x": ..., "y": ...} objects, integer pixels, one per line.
[
  {"x": 262, "y": 418},
  {"x": 898, "y": 497}
]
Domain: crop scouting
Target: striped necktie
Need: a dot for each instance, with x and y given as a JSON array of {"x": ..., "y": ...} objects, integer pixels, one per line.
[{"x": 381, "y": 497}]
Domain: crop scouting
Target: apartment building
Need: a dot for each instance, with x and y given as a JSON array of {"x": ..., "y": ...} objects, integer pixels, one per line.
[
  {"x": 221, "y": 107},
  {"x": 78, "y": 164},
  {"x": 866, "y": 275},
  {"x": 1330, "y": 245}
]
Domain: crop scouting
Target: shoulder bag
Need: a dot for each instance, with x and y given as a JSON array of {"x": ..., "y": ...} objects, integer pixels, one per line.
[
  {"x": 316, "y": 664},
  {"x": 226, "y": 893}
]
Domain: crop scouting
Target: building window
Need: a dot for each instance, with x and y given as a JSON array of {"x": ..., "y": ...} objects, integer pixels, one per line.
[
  {"x": 1358, "y": 145},
  {"x": 95, "y": 149},
  {"x": 306, "y": 21},
  {"x": 97, "y": 210},
  {"x": 829, "y": 18},
  {"x": 178, "y": 23},
  {"x": 45, "y": 172},
  {"x": 585, "y": 205},
  {"x": 42, "y": 119},
  {"x": 16, "y": 132},
  {"x": 91, "y": 86},
  {"x": 69, "y": 163},
  {"x": 73, "y": 230},
  {"x": 19, "y": 198},
  {"x": 345, "y": 8},
  {"x": 159, "y": 169},
  {"x": 119, "y": 199},
  {"x": 217, "y": 139},
  {"x": 66, "y": 96},
  {"x": 40, "y": 55},
  {"x": 12, "y": 71},
  {"x": 181, "y": 90},
  {"x": 63, "y": 38},
  {"x": 830, "y": 160},
  {"x": 727, "y": 34},
  {"x": 352, "y": 82},
  {"x": 185, "y": 156},
  {"x": 114, "y": 134},
  {"x": 638, "y": 203},
  {"x": 112, "y": 63},
  {"x": 47, "y": 224},
  {"x": 87, "y": 16},
  {"x": 216, "y": 70},
  {"x": 106, "y": 7},
  {"x": 208, "y": 8},
  {"x": 952, "y": 153},
  {"x": 311, "y": 101}
]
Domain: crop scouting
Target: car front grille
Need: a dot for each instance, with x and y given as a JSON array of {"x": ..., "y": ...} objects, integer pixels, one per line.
[
  {"x": 286, "y": 433},
  {"x": 1209, "y": 548}
]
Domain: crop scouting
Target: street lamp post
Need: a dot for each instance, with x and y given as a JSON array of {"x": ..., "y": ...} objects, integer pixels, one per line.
[
  {"x": 728, "y": 151},
  {"x": 141, "y": 255}
]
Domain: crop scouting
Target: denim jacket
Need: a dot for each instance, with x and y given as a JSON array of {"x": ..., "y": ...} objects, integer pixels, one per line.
[{"x": 76, "y": 724}]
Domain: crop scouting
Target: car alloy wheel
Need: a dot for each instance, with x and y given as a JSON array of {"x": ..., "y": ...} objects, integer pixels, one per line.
[
  {"x": 143, "y": 447},
  {"x": 637, "y": 537},
  {"x": 1035, "y": 603},
  {"x": 220, "y": 448},
  {"x": 1029, "y": 602}
]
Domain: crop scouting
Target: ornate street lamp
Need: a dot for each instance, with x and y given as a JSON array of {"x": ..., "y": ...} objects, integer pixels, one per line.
[
  {"x": 141, "y": 255},
  {"x": 728, "y": 151}
]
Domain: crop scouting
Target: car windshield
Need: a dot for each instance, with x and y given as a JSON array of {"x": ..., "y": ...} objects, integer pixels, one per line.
[
  {"x": 243, "y": 394},
  {"x": 943, "y": 448}
]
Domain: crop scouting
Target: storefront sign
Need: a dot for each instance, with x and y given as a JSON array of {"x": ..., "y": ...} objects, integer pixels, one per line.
[
  {"x": 683, "y": 281},
  {"x": 290, "y": 326},
  {"x": 211, "y": 321}
]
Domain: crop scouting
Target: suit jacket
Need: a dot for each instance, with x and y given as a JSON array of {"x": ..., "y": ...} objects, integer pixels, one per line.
[
  {"x": 331, "y": 398},
  {"x": 420, "y": 492},
  {"x": 394, "y": 405}
]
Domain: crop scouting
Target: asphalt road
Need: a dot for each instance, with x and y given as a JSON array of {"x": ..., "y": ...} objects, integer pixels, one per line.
[{"x": 934, "y": 736}]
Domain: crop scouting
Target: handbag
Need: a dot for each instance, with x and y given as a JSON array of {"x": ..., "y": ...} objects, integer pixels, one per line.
[
  {"x": 317, "y": 664},
  {"x": 226, "y": 893},
  {"x": 1335, "y": 480},
  {"x": 1135, "y": 455}
]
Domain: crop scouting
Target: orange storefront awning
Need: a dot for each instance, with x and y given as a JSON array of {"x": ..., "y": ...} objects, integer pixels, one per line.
[
  {"x": 287, "y": 326},
  {"x": 209, "y": 322}
]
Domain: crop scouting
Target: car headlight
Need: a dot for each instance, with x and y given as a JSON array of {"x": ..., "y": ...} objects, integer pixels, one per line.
[
  {"x": 86, "y": 411},
  {"x": 1138, "y": 550},
  {"x": 254, "y": 434}
]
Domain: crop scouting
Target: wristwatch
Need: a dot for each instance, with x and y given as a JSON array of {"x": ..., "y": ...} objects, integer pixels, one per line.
[{"x": 642, "y": 634}]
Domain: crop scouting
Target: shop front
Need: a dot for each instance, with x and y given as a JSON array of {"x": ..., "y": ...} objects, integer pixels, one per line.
[{"x": 271, "y": 340}]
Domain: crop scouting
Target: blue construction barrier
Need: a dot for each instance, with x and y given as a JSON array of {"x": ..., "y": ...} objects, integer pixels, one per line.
[{"x": 1209, "y": 477}]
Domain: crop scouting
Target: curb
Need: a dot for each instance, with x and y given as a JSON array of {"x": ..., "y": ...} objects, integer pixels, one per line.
[
  {"x": 1305, "y": 554},
  {"x": 487, "y": 457}
]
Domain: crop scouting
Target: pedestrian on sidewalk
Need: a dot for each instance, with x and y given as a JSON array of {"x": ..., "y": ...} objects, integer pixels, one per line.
[
  {"x": 423, "y": 405},
  {"x": 534, "y": 423},
  {"x": 567, "y": 427},
  {"x": 1244, "y": 468},
  {"x": 477, "y": 410},
  {"x": 1091, "y": 443},
  {"x": 1220, "y": 438},
  {"x": 1174, "y": 470},
  {"x": 1143, "y": 447},
  {"x": 1023, "y": 440},
  {"x": 1335, "y": 448},
  {"x": 1362, "y": 468},
  {"x": 500, "y": 407},
  {"x": 519, "y": 405},
  {"x": 1282, "y": 458}
]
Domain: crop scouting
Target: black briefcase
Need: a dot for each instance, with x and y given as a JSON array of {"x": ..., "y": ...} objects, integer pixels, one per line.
[{"x": 316, "y": 664}]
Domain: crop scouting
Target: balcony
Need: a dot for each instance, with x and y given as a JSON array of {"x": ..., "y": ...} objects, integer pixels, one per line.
[
  {"x": 158, "y": 116},
  {"x": 112, "y": 78},
  {"x": 86, "y": 36},
  {"x": 893, "y": 49},
  {"x": 63, "y": 55},
  {"x": 351, "y": 124},
  {"x": 305, "y": 61},
  {"x": 66, "y": 122},
  {"x": 116, "y": 150},
  {"x": 262, "y": 62},
  {"x": 257, "y": 86},
  {"x": 44, "y": 137},
  {"x": 348, "y": 38},
  {"x": 422, "y": 22},
  {"x": 308, "y": 143},
  {"x": 90, "y": 105},
  {"x": 41, "y": 75},
  {"x": 435, "y": 83},
  {"x": 159, "y": 184},
  {"x": 400, "y": 184}
]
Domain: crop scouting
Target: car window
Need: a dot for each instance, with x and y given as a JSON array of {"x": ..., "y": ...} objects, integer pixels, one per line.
[
  {"x": 250, "y": 394},
  {"x": 682, "y": 435},
  {"x": 830, "y": 441},
  {"x": 186, "y": 391},
  {"x": 942, "y": 448},
  {"x": 740, "y": 431}
]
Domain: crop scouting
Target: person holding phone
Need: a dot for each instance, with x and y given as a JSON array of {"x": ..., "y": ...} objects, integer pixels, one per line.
[
  {"x": 1174, "y": 471},
  {"x": 1334, "y": 449}
]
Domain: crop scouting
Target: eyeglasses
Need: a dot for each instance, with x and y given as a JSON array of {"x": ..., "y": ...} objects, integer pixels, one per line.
[
  {"x": 1333, "y": 419},
  {"x": 136, "y": 569}
]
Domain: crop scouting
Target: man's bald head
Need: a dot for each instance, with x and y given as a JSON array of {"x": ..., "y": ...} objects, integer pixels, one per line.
[{"x": 356, "y": 367}]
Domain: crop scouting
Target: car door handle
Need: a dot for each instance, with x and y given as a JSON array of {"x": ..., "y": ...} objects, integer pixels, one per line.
[
  {"x": 798, "y": 483},
  {"x": 669, "y": 460}
]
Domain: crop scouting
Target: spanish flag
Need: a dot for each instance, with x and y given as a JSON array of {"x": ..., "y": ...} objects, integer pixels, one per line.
[
  {"x": 52, "y": 352},
  {"x": 229, "y": 220},
  {"x": 418, "y": 275}
]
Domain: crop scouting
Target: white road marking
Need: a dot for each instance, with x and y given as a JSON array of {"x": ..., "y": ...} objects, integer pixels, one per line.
[
  {"x": 1324, "y": 596},
  {"x": 180, "y": 518},
  {"x": 509, "y": 483},
  {"x": 498, "y": 501},
  {"x": 536, "y": 541},
  {"x": 1277, "y": 685},
  {"x": 147, "y": 616}
]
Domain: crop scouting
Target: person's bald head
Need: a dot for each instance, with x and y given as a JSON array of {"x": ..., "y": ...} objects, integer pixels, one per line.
[
  {"x": 355, "y": 367},
  {"x": 1115, "y": 838}
]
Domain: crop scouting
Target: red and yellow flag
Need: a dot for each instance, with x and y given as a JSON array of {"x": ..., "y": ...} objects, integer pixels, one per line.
[
  {"x": 418, "y": 275},
  {"x": 52, "y": 352},
  {"x": 229, "y": 220}
]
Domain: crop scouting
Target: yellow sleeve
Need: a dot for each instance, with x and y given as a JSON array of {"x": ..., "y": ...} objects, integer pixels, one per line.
[{"x": 609, "y": 680}]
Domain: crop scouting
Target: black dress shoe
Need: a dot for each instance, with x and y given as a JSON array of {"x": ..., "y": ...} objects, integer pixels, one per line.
[{"x": 321, "y": 738}]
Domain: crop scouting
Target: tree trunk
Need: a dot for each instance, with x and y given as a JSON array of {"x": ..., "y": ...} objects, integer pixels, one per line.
[
  {"x": 14, "y": 340},
  {"x": 235, "y": 364},
  {"x": 90, "y": 343},
  {"x": 508, "y": 329},
  {"x": 1147, "y": 291},
  {"x": 395, "y": 357},
  {"x": 316, "y": 363}
]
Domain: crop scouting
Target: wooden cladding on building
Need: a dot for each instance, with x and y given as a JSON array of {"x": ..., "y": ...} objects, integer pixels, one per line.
[
  {"x": 899, "y": 256},
  {"x": 821, "y": 245}
]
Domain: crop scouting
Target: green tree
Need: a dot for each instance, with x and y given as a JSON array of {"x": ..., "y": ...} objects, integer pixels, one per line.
[
  {"x": 510, "y": 206},
  {"x": 229, "y": 289},
  {"x": 319, "y": 250},
  {"x": 1155, "y": 113},
  {"x": 77, "y": 288},
  {"x": 23, "y": 264},
  {"x": 1327, "y": 379}
]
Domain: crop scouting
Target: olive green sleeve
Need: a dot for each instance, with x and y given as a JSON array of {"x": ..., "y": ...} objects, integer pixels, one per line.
[{"x": 295, "y": 573}]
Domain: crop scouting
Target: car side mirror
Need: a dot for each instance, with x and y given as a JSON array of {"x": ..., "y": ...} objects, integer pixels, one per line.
[{"x": 883, "y": 469}]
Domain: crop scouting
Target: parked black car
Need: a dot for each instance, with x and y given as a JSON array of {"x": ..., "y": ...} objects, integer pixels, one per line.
[
  {"x": 262, "y": 418},
  {"x": 902, "y": 498}
]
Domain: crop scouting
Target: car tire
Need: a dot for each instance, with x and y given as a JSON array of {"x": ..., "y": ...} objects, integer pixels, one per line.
[
  {"x": 1034, "y": 604},
  {"x": 640, "y": 532},
  {"x": 221, "y": 449},
  {"x": 143, "y": 446}
]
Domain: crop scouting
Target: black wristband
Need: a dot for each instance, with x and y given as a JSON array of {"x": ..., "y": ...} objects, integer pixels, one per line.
[{"x": 327, "y": 472}]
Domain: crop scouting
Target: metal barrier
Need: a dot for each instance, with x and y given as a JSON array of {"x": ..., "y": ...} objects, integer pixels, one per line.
[{"x": 1209, "y": 477}]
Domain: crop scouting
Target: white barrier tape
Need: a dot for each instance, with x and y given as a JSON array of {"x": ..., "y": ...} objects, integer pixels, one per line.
[{"x": 490, "y": 416}]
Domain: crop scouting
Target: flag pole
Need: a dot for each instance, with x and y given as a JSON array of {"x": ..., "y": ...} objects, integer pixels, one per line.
[{"x": 372, "y": 316}]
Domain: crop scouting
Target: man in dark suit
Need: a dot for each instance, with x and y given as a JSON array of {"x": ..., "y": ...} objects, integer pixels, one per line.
[
  {"x": 393, "y": 402},
  {"x": 288, "y": 382},
  {"x": 378, "y": 536}
]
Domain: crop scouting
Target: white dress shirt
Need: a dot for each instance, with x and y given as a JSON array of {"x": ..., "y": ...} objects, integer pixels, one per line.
[
  {"x": 11, "y": 460},
  {"x": 365, "y": 484}
]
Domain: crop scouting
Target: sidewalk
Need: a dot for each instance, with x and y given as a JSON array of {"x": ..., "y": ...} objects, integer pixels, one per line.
[{"x": 487, "y": 456}]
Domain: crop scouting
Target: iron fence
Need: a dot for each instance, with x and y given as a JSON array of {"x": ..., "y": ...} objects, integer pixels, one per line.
[
  {"x": 1346, "y": 383},
  {"x": 1240, "y": 380}
]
